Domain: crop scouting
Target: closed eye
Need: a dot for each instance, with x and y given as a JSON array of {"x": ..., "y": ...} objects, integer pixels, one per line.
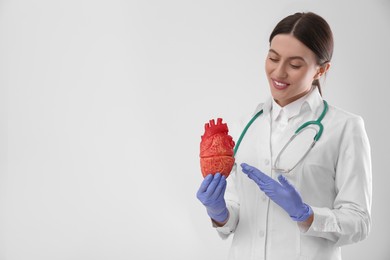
[{"x": 295, "y": 66}]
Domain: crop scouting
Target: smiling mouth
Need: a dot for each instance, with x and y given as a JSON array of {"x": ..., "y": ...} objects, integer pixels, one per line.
[{"x": 279, "y": 85}]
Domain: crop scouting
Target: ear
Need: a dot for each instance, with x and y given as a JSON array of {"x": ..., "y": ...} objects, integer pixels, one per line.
[{"x": 322, "y": 70}]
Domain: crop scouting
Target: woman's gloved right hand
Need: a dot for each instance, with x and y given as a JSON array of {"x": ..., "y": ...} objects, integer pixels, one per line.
[{"x": 211, "y": 194}]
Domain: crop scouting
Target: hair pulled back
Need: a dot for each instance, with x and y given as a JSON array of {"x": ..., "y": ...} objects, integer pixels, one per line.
[{"x": 313, "y": 31}]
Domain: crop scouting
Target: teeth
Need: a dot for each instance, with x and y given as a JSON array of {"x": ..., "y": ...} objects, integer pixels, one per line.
[{"x": 280, "y": 84}]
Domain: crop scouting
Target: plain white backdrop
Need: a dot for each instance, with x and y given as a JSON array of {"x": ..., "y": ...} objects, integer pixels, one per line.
[{"x": 102, "y": 105}]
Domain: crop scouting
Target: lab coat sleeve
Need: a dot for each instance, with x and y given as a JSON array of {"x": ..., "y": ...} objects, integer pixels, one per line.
[
  {"x": 232, "y": 204},
  {"x": 349, "y": 220}
]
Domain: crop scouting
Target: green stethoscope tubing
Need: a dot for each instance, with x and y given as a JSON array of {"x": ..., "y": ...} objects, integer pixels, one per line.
[{"x": 303, "y": 126}]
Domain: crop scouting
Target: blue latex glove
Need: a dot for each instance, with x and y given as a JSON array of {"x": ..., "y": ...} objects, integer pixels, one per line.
[
  {"x": 283, "y": 193},
  {"x": 211, "y": 194}
]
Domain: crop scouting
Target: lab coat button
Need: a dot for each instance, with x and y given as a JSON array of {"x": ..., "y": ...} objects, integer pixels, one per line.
[
  {"x": 266, "y": 161},
  {"x": 261, "y": 233}
]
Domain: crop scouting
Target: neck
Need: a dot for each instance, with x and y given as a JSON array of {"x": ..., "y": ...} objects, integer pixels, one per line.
[{"x": 292, "y": 99}]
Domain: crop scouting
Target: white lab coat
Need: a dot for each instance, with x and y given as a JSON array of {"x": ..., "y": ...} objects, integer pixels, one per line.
[{"x": 334, "y": 179}]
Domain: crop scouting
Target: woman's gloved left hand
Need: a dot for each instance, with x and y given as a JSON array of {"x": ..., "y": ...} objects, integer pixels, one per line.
[{"x": 283, "y": 193}]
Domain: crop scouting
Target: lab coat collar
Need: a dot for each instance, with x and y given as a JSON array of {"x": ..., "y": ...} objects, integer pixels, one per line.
[
  {"x": 312, "y": 100},
  {"x": 289, "y": 110}
]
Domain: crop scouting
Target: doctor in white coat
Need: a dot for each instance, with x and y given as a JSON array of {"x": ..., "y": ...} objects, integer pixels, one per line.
[{"x": 276, "y": 211}]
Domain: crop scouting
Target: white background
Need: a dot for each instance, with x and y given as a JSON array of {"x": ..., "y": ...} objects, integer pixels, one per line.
[{"x": 102, "y": 105}]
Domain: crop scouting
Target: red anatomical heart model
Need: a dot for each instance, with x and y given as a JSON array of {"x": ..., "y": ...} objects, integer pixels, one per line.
[{"x": 216, "y": 149}]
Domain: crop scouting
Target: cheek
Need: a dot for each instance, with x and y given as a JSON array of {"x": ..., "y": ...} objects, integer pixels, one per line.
[
  {"x": 302, "y": 76},
  {"x": 309, "y": 77},
  {"x": 268, "y": 67},
  {"x": 309, "y": 74}
]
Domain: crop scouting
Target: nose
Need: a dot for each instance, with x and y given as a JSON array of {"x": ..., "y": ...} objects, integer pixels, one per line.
[{"x": 280, "y": 71}]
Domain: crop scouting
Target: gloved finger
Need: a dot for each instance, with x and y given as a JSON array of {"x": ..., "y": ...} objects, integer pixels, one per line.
[
  {"x": 221, "y": 185},
  {"x": 205, "y": 183},
  {"x": 270, "y": 188},
  {"x": 285, "y": 183},
  {"x": 269, "y": 193},
  {"x": 267, "y": 186},
  {"x": 246, "y": 168},
  {"x": 213, "y": 184},
  {"x": 255, "y": 178},
  {"x": 273, "y": 186},
  {"x": 220, "y": 189}
]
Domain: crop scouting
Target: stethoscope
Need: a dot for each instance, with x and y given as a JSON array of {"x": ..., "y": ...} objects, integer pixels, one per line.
[{"x": 300, "y": 129}]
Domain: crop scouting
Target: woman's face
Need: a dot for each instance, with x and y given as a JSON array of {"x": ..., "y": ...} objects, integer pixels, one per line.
[{"x": 291, "y": 68}]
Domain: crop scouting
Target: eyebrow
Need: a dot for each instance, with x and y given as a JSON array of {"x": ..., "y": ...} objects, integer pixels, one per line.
[{"x": 290, "y": 58}]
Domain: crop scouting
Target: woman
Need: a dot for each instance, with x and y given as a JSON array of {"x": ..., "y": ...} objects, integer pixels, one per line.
[{"x": 324, "y": 202}]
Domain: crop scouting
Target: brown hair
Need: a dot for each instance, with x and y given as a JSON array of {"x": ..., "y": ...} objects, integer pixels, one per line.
[{"x": 313, "y": 31}]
